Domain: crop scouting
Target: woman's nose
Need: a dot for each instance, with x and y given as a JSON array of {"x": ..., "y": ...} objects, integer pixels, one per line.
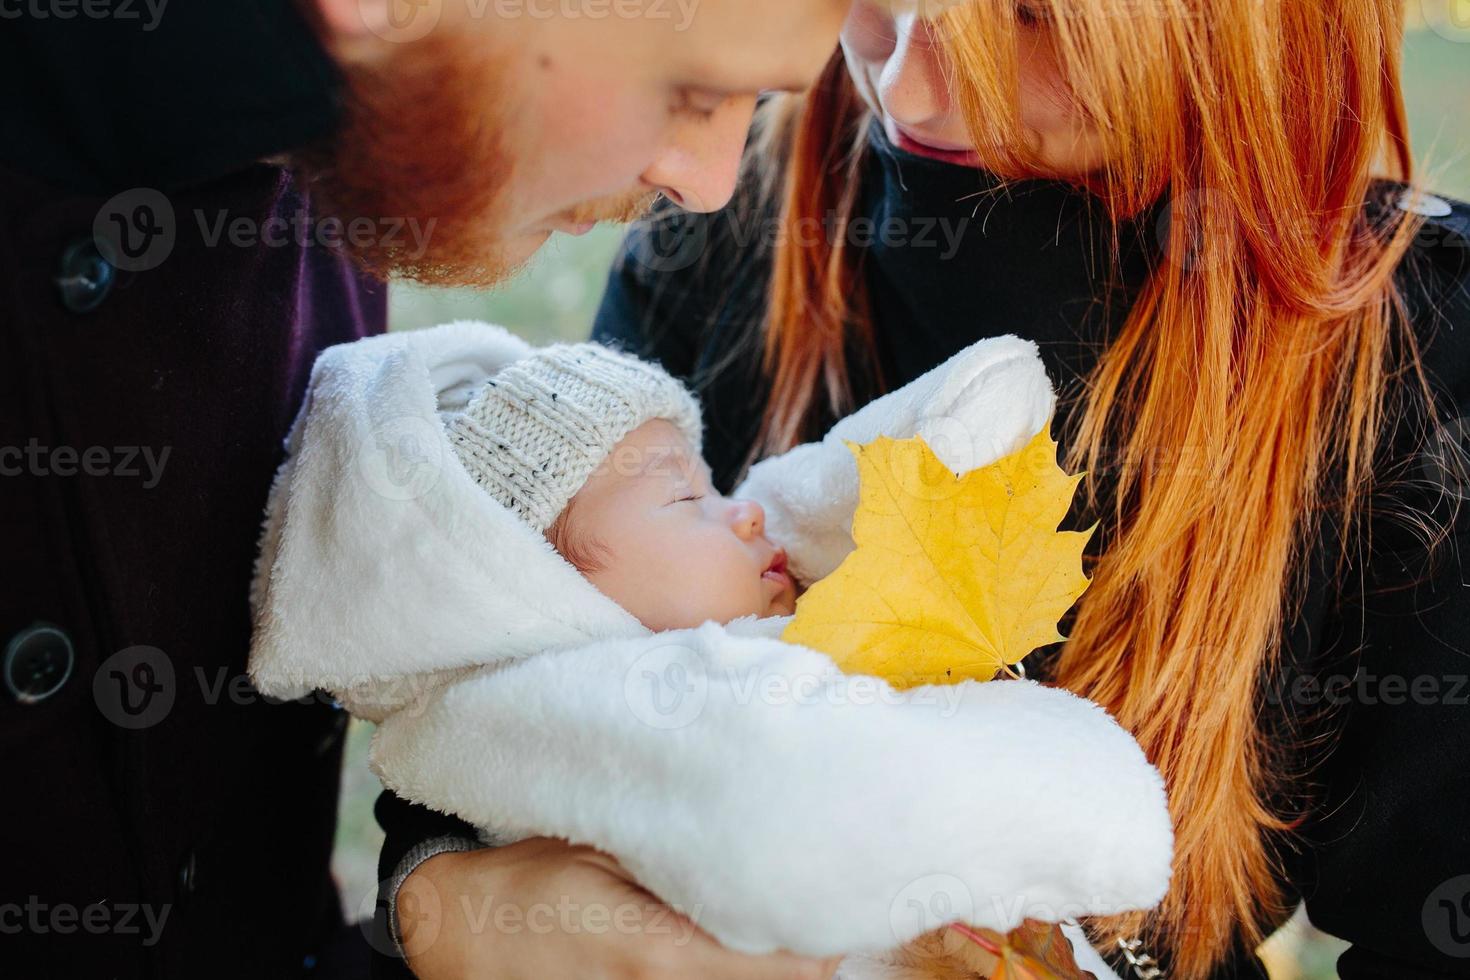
[
  {"x": 697, "y": 167},
  {"x": 911, "y": 86},
  {"x": 749, "y": 518}
]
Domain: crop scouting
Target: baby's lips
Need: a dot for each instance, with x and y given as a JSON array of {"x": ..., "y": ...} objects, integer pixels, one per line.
[{"x": 777, "y": 573}]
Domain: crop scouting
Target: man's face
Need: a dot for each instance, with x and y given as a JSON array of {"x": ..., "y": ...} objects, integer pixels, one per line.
[{"x": 510, "y": 119}]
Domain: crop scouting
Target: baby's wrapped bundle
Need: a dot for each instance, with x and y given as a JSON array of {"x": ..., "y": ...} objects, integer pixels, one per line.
[{"x": 744, "y": 780}]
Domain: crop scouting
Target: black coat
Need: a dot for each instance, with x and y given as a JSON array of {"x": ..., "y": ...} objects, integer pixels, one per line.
[
  {"x": 1384, "y": 859},
  {"x": 160, "y": 820}
]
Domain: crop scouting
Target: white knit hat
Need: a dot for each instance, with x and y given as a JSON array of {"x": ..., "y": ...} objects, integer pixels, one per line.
[{"x": 536, "y": 431}]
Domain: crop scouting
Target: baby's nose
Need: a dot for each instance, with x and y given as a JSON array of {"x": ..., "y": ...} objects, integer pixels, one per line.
[{"x": 750, "y": 518}]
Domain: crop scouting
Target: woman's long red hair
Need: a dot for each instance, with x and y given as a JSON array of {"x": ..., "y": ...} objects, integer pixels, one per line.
[{"x": 1255, "y": 366}]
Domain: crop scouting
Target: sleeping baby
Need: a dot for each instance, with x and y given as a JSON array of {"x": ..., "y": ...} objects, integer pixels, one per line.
[{"x": 513, "y": 561}]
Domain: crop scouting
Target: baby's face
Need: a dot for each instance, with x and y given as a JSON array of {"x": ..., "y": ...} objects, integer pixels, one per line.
[{"x": 672, "y": 550}]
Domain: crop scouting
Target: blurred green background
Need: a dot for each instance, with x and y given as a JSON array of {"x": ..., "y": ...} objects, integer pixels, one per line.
[{"x": 557, "y": 295}]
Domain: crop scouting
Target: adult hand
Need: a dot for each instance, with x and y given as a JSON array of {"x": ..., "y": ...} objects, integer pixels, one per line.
[{"x": 544, "y": 908}]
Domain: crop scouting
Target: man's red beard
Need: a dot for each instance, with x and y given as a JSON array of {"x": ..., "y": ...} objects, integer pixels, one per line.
[{"x": 422, "y": 149}]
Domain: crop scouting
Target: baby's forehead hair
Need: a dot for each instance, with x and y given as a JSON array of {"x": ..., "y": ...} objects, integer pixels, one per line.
[{"x": 586, "y": 553}]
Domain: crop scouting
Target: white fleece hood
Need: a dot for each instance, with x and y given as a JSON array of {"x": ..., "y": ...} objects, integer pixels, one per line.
[
  {"x": 382, "y": 562},
  {"x": 744, "y": 780}
]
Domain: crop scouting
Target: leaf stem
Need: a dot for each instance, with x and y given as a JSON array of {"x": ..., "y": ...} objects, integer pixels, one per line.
[{"x": 976, "y": 938}]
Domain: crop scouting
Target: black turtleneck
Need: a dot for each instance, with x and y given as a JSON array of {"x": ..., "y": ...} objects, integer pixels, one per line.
[
  {"x": 949, "y": 257},
  {"x": 1034, "y": 258}
]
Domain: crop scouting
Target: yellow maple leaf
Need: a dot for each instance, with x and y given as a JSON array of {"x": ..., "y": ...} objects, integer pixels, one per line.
[{"x": 952, "y": 577}]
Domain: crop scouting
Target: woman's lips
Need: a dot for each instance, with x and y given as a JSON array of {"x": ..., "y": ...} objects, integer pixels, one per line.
[{"x": 908, "y": 143}]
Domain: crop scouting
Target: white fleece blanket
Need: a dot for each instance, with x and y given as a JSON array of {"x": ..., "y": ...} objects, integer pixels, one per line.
[{"x": 744, "y": 780}]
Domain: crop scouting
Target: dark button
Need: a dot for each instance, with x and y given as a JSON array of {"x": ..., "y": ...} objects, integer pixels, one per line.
[
  {"x": 38, "y": 660},
  {"x": 85, "y": 277}
]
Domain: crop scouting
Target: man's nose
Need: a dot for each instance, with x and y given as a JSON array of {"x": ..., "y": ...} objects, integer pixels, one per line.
[
  {"x": 749, "y": 518},
  {"x": 912, "y": 87},
  {"x": 700, "y": 161}
]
